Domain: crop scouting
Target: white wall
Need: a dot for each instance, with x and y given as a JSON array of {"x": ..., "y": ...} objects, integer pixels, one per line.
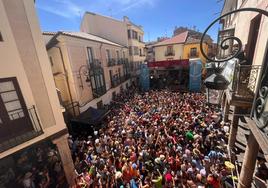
[{"x": 106, "y": 27}]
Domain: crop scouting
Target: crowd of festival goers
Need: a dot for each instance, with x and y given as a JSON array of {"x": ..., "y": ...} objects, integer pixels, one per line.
[{"x": 155, "y": 139}]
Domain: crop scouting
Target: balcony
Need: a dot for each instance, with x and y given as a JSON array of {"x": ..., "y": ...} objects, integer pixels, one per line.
[
  {"x": 244, "y": 83},
  {"x": 111, "y": 62},
  {"x": 17, "y": 139},
  {"x": 120, "y": 61},
  {"x": 170, "y": 53},
  {"x": 193, "y": 55},
  {"x": 95, "y": 64},
  {"x": 98, "y": 92},
  {"x": 116, "y": 81},
  {"x": 125, "y": 61}
]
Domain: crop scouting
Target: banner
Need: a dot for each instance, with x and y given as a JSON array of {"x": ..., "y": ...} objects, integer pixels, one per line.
[
  {"x": 169, "y": 63},
  {"x": 144, "y": 78},
  {"x": 229, "y": 70},
  {"x": 195, "y": 76}
]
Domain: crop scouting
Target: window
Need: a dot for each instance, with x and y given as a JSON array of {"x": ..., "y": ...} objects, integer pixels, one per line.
[
  {"x": 130, "y": 50},
  {"x": 93, "y": 85},
  {"x": 119, "y": 72},
  {"x": 10, "y": 99},
  {"x": 136, "y": 50},
  {"x": 140, "y": 52},
  {"x": 117, "y": 55},
  {"x": 113, "y": 95},
  {"x": 90, "y": 54},
  {"x": 134, "y": 35},
  {"x": 97, "y": 82},
  {"x": 140, "y": 39},
  {"x": 99, "y": 105},
  {"x": 108, "y": 54},
  {"x": 111, "y": 74},
  {"x": 51, "y": 61},
  {"x": 170, "y": 49},
  {"x": 193, "y": 52},
  {"x": 1, "y": 37},
  {"x": 129, "y": 33},
  {"x": 124, "y": 55}
]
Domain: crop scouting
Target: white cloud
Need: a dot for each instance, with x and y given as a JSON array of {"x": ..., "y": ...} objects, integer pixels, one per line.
[
  {"x": 130, "y": 4},
  {"x": 72, "y": 9},
  {"x": 63, "y": 8}
]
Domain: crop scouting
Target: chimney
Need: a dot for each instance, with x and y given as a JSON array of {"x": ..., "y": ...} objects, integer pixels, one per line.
[{"x": 126, "y": 19}]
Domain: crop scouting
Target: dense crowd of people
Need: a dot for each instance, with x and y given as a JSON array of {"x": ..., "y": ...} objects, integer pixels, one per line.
[
  {"x": 155, "y": 139},
  {"x": 37, "y": 167}
]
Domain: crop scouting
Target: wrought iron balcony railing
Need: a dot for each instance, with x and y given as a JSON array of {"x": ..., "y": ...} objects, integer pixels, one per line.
[
  {"x": 94, "y": 64},
  {"x": 120, "y": 61},
  {"x": 111, "y": 62},
  {"x": 115, "y": 81},
  {"x": 245, "y": 81},
  {"x": 99, "y": 91},
  {"x": 25, "y": 136},
  {"x": 170, "y": 53}
]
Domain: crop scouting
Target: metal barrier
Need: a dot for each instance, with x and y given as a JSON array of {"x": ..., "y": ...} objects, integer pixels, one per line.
[{"x": 25, "y": 136}]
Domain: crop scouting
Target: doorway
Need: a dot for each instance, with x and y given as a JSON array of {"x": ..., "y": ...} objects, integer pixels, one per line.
[{"x": 252, "y": 38}]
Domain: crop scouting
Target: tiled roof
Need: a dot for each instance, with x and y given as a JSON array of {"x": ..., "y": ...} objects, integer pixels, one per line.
[
  {"x": 181, "y": 38},
  {"x": 83, "y": 35}
]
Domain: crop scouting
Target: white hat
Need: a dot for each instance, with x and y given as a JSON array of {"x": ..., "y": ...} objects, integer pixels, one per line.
[
  {"x": 97, "y": 141},
  {"x": 95, "y": 133},
  {"x": 157, "y": 160},
  {"x": 118, "y": 175}
]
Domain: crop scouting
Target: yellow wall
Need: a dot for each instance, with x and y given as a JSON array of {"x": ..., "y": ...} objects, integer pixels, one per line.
[{"x": 187, "y": 48}]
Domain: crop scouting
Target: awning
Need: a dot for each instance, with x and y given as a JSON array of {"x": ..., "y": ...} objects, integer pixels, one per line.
[{"x": 91, "y": 116}]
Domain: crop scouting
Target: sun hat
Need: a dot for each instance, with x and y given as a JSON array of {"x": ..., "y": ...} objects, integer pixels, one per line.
[
  {"x": 162, "y": 157},
  {"x": 118, "y": 175},
  {"x": 157, "y": 160}
]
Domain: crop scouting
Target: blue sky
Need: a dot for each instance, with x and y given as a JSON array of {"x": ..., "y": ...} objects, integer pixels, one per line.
[{"x": 158, "y": 17}]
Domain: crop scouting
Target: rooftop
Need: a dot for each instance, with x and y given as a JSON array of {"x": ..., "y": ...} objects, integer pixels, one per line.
[
  {"x": 178, "y": 39},
  {"x": 83, "y": 35}
]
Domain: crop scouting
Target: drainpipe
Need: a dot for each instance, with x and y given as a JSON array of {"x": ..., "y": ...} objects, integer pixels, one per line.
[{"x": 67, "y": 79}]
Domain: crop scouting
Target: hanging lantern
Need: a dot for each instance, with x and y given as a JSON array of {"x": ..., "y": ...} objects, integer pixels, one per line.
[{"x": 216, "y": 83}]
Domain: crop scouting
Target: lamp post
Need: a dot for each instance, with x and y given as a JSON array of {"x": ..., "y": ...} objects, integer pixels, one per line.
[{"x": 217, "y": 83}]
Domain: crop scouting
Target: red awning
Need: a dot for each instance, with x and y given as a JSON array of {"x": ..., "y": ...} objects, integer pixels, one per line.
[{"x": 169, "y": 63}]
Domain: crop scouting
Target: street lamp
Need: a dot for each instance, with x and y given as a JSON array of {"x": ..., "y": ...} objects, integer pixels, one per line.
[{"x": 217, "y": 83}]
